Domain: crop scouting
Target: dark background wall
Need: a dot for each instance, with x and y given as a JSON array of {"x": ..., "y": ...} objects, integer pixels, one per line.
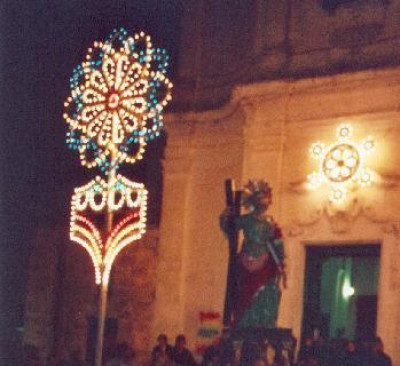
[{"x": 245, "y": 41}]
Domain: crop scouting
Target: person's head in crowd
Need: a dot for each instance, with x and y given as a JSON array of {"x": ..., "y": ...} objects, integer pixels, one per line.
[
  {"x": 61, "y": 354},
  {"x": 129, "y": 355},
  {"x": 379, "y": 347},
  {"x": 260, "y": 362},
  {"x": 351, "y": 347},
  {"x": 308, "y": 342},
  {"x": 76, "y": 354},
  {"x": 120, "y": 350},
  {"x": 180, "y": 342},
  {"x": 162, "y": 340}
]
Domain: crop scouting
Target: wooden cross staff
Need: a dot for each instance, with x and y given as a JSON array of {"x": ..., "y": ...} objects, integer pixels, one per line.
[{"x": 233, "y": 200}]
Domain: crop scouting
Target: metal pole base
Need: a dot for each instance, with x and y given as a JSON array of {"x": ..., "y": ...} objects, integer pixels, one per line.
[{"x": 101, "y": 322}]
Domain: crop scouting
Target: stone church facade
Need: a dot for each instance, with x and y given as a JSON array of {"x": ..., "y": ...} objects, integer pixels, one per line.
[{"x": 259, "y": 82}]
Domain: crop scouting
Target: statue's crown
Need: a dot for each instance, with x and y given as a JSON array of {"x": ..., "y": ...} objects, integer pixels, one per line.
[{"x": 254, "y": 191}]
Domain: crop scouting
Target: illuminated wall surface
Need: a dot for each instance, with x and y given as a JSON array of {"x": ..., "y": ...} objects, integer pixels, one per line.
[
  {"x": 254, "y": 128},
  {"x": 256, "y": 88}
]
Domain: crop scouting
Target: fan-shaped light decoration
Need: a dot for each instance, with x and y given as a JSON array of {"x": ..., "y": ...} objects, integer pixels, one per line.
[
  {"x": 89, "y": 202},
  {"x": 341, "y": 164},
  {"x": 117, "y": 97}
]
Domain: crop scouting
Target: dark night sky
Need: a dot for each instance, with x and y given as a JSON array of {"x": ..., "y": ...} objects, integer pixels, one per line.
[{"x": 41, "y": 42}]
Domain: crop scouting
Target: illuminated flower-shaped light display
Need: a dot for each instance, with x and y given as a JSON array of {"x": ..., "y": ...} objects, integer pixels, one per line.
[
  {"x": 115, "y": 108},
  {"x": 341, "y": 164},
  {"x": 117, "y": 97}
]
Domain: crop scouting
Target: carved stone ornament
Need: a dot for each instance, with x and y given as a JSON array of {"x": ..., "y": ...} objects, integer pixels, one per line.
[{"x": 341, "y": 219}]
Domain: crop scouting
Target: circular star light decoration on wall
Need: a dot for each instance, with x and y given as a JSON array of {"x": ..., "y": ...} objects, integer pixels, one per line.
[
  {"x": 341, "y": 164},
  {"x": 117, "y": 97}
]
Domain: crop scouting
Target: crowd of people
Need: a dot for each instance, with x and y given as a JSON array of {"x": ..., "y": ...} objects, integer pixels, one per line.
[
  {"x": 338, "y": 352},
  {"x": 164, "y": 354},
  {"x": 123, "y": 354},
  {"x": 342, "y": 352}
]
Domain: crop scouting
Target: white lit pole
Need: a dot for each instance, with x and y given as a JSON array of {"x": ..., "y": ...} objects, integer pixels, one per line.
[
  {"x": 115, "y": 108},
  {"x": 103, "y": 287},
  {"x": 103, "y": 291}
]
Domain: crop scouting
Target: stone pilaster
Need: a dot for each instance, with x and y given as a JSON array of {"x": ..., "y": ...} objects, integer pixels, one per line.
[{"x": 169, "y": 303}]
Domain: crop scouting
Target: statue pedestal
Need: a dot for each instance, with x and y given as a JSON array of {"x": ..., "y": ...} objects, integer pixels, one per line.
[{"x": 250, "y": 344}]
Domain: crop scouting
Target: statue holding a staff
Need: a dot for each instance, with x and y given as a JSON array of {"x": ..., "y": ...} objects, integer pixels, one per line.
[{"x": 258, "y": 270}]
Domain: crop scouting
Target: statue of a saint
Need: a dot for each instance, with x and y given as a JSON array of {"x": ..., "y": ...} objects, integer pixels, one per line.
[{"x": 260, "y": 263}]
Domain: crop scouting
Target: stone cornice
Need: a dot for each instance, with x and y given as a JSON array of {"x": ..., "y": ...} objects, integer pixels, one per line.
[
  {"x": 387, "y": 76},
  {"x": 219, "y": 114},
  {"x": 252, "y": 94}
]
